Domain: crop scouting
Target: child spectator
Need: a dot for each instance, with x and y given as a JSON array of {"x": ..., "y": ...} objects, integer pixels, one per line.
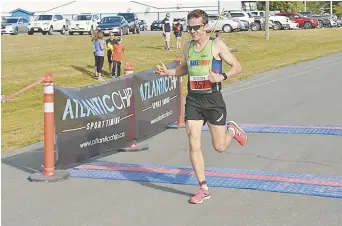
[
  {"x": 110, "y": 44},
  {"x": 118, "y": 52},
  {"x": 178, "y": 31},
  {"x": 99, "y": 55}
]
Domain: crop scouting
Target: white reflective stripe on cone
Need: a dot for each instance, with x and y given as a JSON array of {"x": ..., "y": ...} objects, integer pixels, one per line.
[
  {"x": 48, "y": 107},
  {"x": 48, "y": 88}
]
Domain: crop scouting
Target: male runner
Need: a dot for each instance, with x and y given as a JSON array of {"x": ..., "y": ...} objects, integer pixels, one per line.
[{"x": 204, "y": 102}]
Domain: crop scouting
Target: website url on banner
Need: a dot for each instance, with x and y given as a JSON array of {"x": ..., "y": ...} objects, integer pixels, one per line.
[
  {"x": 102, "y": 140},
  {"x": 162, "y": 116}
]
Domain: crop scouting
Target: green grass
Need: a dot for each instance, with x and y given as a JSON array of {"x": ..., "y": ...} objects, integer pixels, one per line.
[{"x": 25, "y": 59}]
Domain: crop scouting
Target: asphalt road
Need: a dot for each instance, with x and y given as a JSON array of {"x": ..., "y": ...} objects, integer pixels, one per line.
[{"x": 306, "y": 93}]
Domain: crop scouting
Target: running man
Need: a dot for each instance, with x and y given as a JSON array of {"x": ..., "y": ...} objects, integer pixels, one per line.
[{"x": 204, "y": 102}]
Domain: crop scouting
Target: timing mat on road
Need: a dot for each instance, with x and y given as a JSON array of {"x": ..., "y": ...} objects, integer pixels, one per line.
[
  {"x": 289, "y": 129},
  {"x": 314, "y": 185}
]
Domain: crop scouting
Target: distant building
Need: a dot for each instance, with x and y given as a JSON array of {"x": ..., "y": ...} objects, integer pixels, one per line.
[{"x": 21, "y": 13}]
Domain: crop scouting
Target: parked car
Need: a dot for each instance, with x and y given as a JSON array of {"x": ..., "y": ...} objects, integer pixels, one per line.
[
  {"x": 47, "y": 23},
  {"x": 14, "y": 25},
  {"x": 280, "y": 22},
  {"x": 323, "y": 20},
  {"x": 246, "y": 16},
  {"x": 302, "y": 21},
  {"x": 133, "y": 22},
  {"x": 243, "y": 25},
  {"x": 222, "y": 23},
  {"x": 84, "y": 23},
  {"x": 143, "y": 25},
  {"x": 116, "y": 24},
  {"x": 156, "y": 25},
  {"x": 339, "y": 22},
  {"x": 260, "y": 22}
]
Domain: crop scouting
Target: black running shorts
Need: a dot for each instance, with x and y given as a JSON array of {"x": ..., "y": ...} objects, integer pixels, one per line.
[{"x": 206, "y": 107}]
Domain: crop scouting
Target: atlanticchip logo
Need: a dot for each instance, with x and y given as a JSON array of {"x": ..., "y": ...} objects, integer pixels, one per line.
[
  {"x": 98, "y": 105},
  {"x": 157, "y": 87}
]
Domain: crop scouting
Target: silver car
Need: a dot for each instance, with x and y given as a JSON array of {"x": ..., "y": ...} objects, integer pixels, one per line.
[
  {"x": 221, "y": 23},
  {"x": 14, "y": 25}
]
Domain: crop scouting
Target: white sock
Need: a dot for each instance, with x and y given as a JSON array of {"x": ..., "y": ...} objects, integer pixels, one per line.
[{"x": 232, "y": 129}]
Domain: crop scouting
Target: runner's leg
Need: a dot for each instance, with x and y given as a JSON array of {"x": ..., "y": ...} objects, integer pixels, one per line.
[
  {"x": 194, "y": 123},
  {"x": 216, "y": 115}
]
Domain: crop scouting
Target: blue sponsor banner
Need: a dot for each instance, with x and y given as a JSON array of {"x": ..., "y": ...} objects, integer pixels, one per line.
[
  {"x": 156, "y": 102},
  {"x": 93, "y": 120},
  {"x": 110, "y": 115}
]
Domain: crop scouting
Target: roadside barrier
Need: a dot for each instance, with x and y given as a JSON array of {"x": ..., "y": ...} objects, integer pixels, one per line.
[{"x": 114, "y": 115}]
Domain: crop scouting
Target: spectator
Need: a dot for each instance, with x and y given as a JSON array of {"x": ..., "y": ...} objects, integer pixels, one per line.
[
  {"x": 110, "y": 44},
  {"x": 166, "y": 27},
  {"x": 93, "y": 39},
  {"x": 100, "y": 47},
  {"x": 118, "y": 52},
  {"x": 178, "y": 30}
]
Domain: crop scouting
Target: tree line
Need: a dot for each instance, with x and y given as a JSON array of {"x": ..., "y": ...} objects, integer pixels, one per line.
[{"x": 317, "y": 7}]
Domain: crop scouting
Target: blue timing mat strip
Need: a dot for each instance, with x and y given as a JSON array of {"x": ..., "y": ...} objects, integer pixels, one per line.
[
  {"x": 289, "y": 129},
  {"x": 226, "y": 178}
]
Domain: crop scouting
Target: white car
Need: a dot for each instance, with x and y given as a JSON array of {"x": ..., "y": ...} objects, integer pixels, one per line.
[
  {"x": 85, "y": 22},
  {"x": 293, "y": 25},
  {"x": 47, "y": 23},
  {"x": 243, "y": 16},
  {"x": 333, "y": 23},
  {"x": 280, "y": 22},
  {"x": 222, "y": 23}
]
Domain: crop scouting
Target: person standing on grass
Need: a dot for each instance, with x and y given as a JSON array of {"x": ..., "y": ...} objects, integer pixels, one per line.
[
  {"x": 110, "y": 44},
  {"x": 93, "y": 39},
  {"x": 118, "y": 52},
  {"x": 100, "y": 47},
  {"x": 166, "y": 28},
  {"x": 178, "y": 30}
]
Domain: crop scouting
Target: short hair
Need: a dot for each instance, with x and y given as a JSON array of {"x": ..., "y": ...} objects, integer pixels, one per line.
[{"x": 197, "y": 13}]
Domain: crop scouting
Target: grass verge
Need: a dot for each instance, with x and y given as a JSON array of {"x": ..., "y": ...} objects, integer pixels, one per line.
[{"x": 25, "y": 59}]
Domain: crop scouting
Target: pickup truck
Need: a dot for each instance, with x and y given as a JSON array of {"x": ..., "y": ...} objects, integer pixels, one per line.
[
  {"x": 302, "y": 21},
  {"x": 323, "y": 21},
  {"x": 133, "y": 22},
  {"x": 259, "y": 23},
  {"x": 280, "y": 22}
]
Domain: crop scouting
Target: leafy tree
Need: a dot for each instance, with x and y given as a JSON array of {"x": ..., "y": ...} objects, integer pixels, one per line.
[
  {"x": 285, "y": 6},
  {"x": 338, "y": 9},
  {"x": 261, "y": 5}
]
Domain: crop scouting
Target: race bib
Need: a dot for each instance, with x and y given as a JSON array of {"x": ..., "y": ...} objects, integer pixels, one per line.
[{"x": 200, "y": 84}]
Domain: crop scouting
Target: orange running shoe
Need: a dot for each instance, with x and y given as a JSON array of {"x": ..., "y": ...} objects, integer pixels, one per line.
[{"x": 240, "y": 135}]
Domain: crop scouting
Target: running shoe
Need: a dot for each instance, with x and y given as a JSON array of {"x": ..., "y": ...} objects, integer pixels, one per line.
[
  {"x": 200, "y": 196},
  {"x": 240, "y": 135}
]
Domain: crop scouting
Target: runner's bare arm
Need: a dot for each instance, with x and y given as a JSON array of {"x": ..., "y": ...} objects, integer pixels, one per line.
[
  {"x": 228, "y": 57},
  {"x": 182, "y": 69}
]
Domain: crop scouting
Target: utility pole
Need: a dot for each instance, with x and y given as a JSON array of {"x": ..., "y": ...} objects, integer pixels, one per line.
[
  {"x": 267, "y": 21},
  {"x": 331, "y": 11},
  {"x": 218, "y": 7},
  {"x": 304, "y": 6}
]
